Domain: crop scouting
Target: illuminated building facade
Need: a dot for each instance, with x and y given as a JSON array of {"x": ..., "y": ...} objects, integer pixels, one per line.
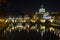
[
  {"x": 56, "y": 16},
  {"x": 31, "y": 21},
  {"x": 42, "y": 13},
  {"x": 27, "y": 21}
]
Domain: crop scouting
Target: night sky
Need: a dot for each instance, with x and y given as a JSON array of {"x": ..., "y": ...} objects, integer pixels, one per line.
[{"x": 29, "y": 6}]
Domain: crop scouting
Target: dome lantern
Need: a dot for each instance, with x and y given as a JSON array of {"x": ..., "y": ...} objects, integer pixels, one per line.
[{"x": 41, "y": 10}]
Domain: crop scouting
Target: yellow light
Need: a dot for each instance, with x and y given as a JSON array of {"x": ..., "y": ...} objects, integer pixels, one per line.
[
  {"x": 6, "y": 20},
  {"x": 15, "y": 20},
  {"x": 33, "y": 20},
  {"x": 1, "y": 20},
  {"x": 42, "y": 27},
  {"x": 35, "y": 17},
  {"x": 42, "y": 20},
  {"x": 15, "y": 27},
  {"x": 59, "y": 17},
  {"x": 33, "y": 27},
  {"x": 51, "y": 20},
  {"x": 24, "y": 20},
  {"x": 52, "y": 29},
  {"x": 12, "y": 20},
  {"x": 12, "y": 28}
]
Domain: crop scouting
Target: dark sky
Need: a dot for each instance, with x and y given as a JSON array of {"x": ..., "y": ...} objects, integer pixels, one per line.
[{"x": 29, "y": 6}]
